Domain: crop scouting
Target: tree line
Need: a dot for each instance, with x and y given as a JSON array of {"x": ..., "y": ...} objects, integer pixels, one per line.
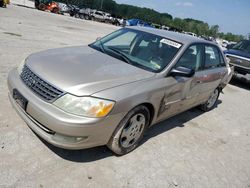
[{"x": 149, "y": 15}]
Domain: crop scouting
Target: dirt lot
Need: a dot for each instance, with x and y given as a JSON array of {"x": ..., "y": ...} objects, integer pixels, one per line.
[{"x": 193, "y": 149}]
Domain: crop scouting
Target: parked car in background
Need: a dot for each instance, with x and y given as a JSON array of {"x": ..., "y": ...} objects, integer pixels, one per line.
[
  {"x": 138, "y": 22},
  {"x": 49, "y": 5},
  {"x": 190, "y": 33},
  {"x": 108, "y": 18},
  {"x": 110, "y": 92},
  {"x": 230, "y": 45},
  {"x": 73, "y": 10},
  {"x": 63, "y": 8},
  {"x": 98, "y": 16},
  {"x": 239, "y": 56},
  {"x": 85, "y": 13}
]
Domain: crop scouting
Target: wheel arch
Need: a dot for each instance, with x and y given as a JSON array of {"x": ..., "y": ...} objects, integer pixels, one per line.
[{"x": 151, "y": 109}]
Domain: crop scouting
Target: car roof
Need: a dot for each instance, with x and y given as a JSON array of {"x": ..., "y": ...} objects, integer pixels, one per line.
[{"x": 179, "y": 37}]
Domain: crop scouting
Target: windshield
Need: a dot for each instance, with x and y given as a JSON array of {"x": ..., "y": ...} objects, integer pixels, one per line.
[
  {"x": 243, "y": 46},
  {"x": 147, "y": 51}
]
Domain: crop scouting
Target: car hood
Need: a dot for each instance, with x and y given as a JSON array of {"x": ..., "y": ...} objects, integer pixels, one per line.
[
  {"x": 82, "y": 70},
  {"x": 238, "y": 53}
]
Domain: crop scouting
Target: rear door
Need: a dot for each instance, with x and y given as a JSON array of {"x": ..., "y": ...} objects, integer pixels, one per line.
[
  {"x": 186, "y": 93},
  {"x": 214, "y": 69}
]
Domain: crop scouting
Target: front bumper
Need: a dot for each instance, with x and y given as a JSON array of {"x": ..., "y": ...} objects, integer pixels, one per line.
[
  {"x": 241, "y": 73},
  {"x": 58, "y": 127}
]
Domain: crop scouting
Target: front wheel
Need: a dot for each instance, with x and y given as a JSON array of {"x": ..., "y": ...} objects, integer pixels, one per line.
[
  {"x": 130, "y": 131},
  {"x": 87, "y": 17},
  {"x": 211, "y": 102}
]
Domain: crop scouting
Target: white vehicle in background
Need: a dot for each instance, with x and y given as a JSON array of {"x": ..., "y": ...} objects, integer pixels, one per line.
[
  {"x": 165, "y": 27},
  {"x": 190, "y": 33},
  {"x": 222, "y": 43},
  {"x": 108, "y": 18},
  {"x": 63, "y": 8},
  {"x": 98, "y": 16}
]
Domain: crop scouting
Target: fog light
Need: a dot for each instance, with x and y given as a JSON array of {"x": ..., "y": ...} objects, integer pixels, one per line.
[{"x": 68, "y": 139}]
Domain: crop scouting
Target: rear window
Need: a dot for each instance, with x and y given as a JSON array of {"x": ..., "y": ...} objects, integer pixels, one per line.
[{"x": 212, "y": 57}]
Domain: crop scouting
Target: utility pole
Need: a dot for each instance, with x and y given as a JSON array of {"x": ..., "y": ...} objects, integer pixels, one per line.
[{"x": 101, "y": 4}]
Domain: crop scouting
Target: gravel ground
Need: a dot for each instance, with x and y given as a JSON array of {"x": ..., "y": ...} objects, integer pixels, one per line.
[{"x": 193, "y": 149}]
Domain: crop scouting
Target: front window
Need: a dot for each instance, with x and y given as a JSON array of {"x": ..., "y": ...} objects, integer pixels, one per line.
[
  {"x": 141, "y": 49},
  {"x": 243, "y": 46},
  {"x": 192, "y": 58}
]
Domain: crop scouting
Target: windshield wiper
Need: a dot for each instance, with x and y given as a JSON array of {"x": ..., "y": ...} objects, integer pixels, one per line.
[
  {"x": 122, "y": 55},
  {"x": 127, "y": 59}
]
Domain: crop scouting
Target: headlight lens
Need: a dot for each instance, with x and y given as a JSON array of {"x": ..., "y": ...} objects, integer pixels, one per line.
[
  {"x": 84, "y": 106},
  {"x": 20, "y": 67}
]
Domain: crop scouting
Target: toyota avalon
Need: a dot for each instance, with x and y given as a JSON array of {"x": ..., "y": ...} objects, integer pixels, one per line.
[{"x": 111, "y": 91}]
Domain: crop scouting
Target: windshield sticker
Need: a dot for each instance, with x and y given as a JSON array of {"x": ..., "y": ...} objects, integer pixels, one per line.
[{"x": 171, "y": 43}]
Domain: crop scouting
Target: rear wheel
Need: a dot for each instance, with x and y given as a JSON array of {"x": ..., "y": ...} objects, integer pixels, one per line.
[
  {"x": 55, "y": 10},
  {"x": 42, "y": 7},
  {"x": 211, "y": 102},
  {"x": 81, "y": 16},
  {"x": 77, "y": 15},
  {"x": 87, "y": 17},
  {"x": 130, "y": 131}
]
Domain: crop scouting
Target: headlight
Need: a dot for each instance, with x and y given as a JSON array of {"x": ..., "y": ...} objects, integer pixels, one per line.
[
  {"x": 20, "y": 66},
  {"x": 84, "y": 106}
]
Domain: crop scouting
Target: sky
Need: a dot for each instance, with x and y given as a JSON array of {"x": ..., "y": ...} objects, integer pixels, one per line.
[{"x": 231, "y": 15}]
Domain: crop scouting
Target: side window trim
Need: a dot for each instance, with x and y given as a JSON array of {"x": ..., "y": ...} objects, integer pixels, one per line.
[{"x": 203, "y": 57}]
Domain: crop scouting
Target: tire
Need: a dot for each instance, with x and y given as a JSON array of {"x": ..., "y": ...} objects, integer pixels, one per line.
[
  {"x": 77, "y": 15},
  {"x": 55, "y": 10},
  {"x": 81, "y": 16},
  {"x": 211, "y": 102},
  {"x": 130, "y": 131},
  {"x": 87, "y": 17},
  {"x": 42, "y": 7}
]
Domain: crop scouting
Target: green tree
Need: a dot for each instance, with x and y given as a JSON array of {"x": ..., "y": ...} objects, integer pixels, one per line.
[
  {"x": 152, "y": 16},
  {"x": 214, "y": 30}
]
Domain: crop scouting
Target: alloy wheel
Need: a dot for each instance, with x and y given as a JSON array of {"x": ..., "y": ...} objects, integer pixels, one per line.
[{"x": 133, "y": 130}]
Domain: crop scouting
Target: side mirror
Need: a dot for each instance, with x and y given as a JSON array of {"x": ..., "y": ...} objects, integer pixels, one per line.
[{"x": 182, "y": 71}]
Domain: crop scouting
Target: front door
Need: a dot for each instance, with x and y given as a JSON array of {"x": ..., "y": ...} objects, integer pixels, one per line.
[{"x": 182, "y": 94}]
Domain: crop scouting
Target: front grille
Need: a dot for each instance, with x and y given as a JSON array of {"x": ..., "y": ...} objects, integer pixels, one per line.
[{"x": 43, "y": 89}]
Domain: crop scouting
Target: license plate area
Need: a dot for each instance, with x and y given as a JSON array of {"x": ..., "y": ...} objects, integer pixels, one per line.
[{"x": 20, "y": 99}]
